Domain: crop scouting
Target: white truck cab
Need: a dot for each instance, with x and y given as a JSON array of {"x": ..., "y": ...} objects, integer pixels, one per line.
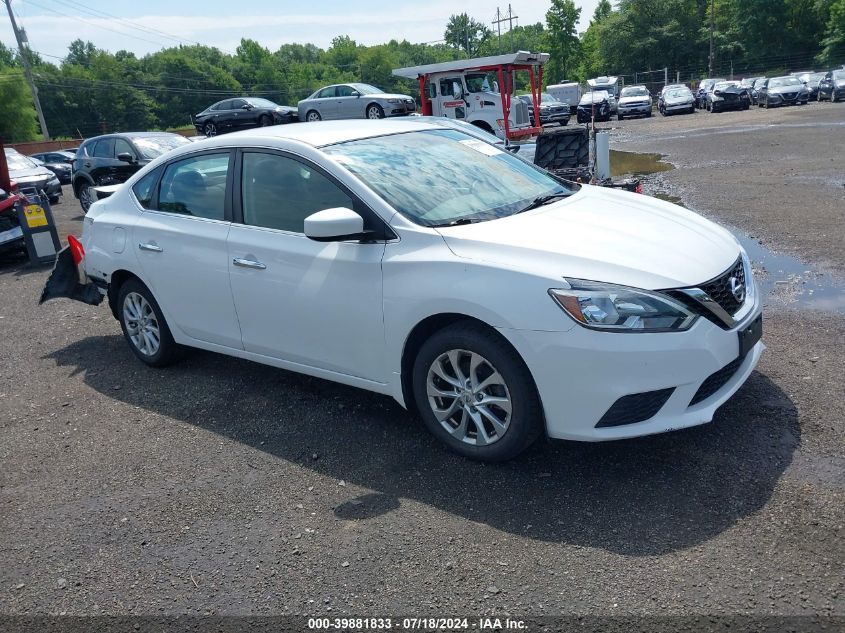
[{"x": 471, "y": 90}]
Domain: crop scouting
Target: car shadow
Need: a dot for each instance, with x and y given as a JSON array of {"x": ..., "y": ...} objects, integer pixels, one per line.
[{"x": 637, "y": 497}]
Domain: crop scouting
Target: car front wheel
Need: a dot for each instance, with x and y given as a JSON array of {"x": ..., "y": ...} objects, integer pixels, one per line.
[
  {"x": 144, "y": 326},
  {"x": 312, "y": 116},
  {"x": 209, "y": 129},
  {"x": 475, "y": 393},
  {"x": 87, "y": 196},
  {"x": 375, "y": 111}
]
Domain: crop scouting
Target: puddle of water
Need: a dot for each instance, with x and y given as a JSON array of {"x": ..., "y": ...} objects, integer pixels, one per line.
[{"x": 636, "y": 164}]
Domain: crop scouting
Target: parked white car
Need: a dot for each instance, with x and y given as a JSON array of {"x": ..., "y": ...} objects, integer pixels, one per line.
[{"x": 420, "y": 262}]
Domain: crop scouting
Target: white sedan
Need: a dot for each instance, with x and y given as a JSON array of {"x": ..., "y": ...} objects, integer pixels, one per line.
[{"x": 423, "y": 263}]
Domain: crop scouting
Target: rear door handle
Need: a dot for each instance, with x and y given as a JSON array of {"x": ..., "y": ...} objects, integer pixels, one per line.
[
  {"x": 154, "y": 248},
  {"x": 248, "y": 263}
]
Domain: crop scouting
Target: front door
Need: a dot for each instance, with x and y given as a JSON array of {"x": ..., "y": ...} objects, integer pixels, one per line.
[
  {"x": 446, "y": 104},
  {"x": 349, "y": 106},
  {"x": 180, "y": 241},
  {"x": 312, "y": 303}
]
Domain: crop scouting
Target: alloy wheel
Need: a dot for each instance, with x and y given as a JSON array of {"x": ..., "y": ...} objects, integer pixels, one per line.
[
  {"x": 141, "y": 324},
  {"x": 313, "y": 116},
  {"x": 210, "y": 129},
  {"x": 469, "y": 397},
  {"x": 86, "y": 197},
  {"x": 373, "y": 112}
]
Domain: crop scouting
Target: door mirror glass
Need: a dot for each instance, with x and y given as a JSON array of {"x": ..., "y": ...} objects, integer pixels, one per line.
[
  {"x": 332, "y": 225},
  {"x": 126, "y": 157},
  {"x": 355, "y": 93},
  {"x": 457, "y": 91},
  {"x": 246, "y": 106}
]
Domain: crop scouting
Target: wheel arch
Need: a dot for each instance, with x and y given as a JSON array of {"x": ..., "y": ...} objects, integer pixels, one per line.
[
  {"x": 78, "y": 181},
  {"x": 424, "y": 330},
  {"x": 117, "y": 279},
  {"x": 374, "y": 103}
]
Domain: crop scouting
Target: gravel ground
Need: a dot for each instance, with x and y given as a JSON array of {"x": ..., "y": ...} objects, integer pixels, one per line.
[{"x": 219, "y": 486}]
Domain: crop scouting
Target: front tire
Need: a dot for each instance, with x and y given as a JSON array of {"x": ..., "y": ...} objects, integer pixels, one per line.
[
  {"x": 475, "y": 393},
  {"x": 87, "y": 196},
  {"x": 209, "y": 129},
  {"x": 144, "y": 326},
  {"x": 375, "y": 111},
  {"x": 313, "y": 116},
  {"x": 265, "y": 121}
]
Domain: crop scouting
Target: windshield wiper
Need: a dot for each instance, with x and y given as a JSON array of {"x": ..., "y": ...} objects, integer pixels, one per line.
[
  {"x": 539, "y": 201},
  {"x": 457, "y": 222}
]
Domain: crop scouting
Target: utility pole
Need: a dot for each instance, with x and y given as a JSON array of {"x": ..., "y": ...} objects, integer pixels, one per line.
[
  {"x": 712, "y": 12},
  {"x": 509, "y": 19},
  {"x": 498, "y": 23},
  {"x": 27, "y": 70}
]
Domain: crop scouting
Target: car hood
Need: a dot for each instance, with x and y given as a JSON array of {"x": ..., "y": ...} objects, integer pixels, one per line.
[
  {"x": 603, "y": 235},
  {"x": 385, "y": 95},
  {"x": 782, "y": 89},
  {"x": 26, "y": 175},
  {"x": 624, "y": 100}
]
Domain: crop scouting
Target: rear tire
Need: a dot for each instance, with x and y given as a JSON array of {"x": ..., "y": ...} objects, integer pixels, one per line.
[
  {"x": 459, "y": 388},
  {"x": 144, "y": 326}
]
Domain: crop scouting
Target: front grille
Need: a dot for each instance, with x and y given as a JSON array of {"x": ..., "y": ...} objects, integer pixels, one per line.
[
  {"x": 789, "y": 96},
  {"x": 635, "y": 407},
  {"x": 520, "y": 112},
  {"x": 720, "y": 288},
  {"x": 716, "y": 381}
]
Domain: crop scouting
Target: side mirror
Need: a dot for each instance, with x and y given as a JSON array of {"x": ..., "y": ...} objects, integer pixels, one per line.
[
  {"x": 457, "y": 91},
  {"x": 355, "y": 93},
  {"x": 335, "y": 225},
  {"x": 717, "y": 92},
  {"x": 126, "y": 157}
]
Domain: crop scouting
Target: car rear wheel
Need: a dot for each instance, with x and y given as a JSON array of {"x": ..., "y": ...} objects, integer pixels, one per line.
[
  {"x": 144, "y": 326},
  {"x": 475, "y": 393},
  {"x": 375, "y": 111},
  {"x": 87, "y": 196},
  {"x": 209, "y": 129},
  {"x": 312, "y": 116}
]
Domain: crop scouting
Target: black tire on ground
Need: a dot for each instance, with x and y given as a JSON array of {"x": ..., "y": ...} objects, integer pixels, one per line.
[
  {"x": 619, "y": 117},
  {"x": 264, "y": 120},
  {"x": 168, "y": 351},
  {"x": 313, "y": 115},
  {"x": 374, "y": 111},
  {"x": 209, "y": 129},
  {"x": 648, "y": 116},
  {"x": 526, "y": 423},
  {"x": 86, "y": 195},
  {"x": 54, "y": 199}
]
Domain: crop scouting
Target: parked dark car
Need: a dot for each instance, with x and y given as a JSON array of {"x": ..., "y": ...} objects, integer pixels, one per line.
[
  {"x": 728, "y": 95},
  {"x": 242, "y": 113},
  {"x": 59, "y": 162},
  {"x": 779, "y": 91},
  {"x": 755, "y": 90},
  {"x": 597, "y": 102},
  {"x": 29, "y": 174},
  {"x": 811, "y": 83},
  {"x": 832, "y": 86},
  {"x": 704, "y": 88},
  {"x": 748, "y": 83},
  {"x": 111, "y": 159},
  {"x": 552, "y": 109}
]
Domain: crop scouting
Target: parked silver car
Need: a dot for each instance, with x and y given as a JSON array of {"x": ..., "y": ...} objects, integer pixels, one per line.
[{"x": 354, "y": 101}]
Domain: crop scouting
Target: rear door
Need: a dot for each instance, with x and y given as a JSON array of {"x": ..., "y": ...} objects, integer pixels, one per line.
[
  {"x": 101, "y": 163},
  {"x": 326, "y": 103},
  {"x": 317, "y": 304},
  {"x": 180, "y": 241}
]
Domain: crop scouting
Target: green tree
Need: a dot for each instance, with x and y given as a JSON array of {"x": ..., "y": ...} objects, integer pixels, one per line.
[
  {"x": 834, "y": 34},
  {"x": 561, "y": 21},
  {"x": 466, "y": 34},
  {"x": 18, "y": 120}
]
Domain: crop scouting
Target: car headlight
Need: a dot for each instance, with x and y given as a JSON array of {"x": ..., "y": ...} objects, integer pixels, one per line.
[
  {"x": 615, "y": 308},
  {"x": 394, "y": 101}
]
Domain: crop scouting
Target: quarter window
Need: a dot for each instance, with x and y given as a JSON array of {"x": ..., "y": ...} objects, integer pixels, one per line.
[
  {"x": 279, "y": 192},
  {"x": 145, "y": 188},
  {"x": 195, "y": 186}
]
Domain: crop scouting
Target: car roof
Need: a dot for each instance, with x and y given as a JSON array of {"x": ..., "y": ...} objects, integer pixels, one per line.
[{"x": 322, "y": 133}]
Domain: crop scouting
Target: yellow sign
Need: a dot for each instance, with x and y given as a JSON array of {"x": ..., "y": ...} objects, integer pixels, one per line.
[{"x": 35, "y": 216}]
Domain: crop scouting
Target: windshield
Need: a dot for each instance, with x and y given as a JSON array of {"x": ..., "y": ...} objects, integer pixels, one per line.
[
  {"x": 634, "y": 91},
  {"x": 437, "y": 177},
  {"x": 839, "y": 74},
  {"x": 589, "y": 97},
  {"x": 676, "y": 93},
  {"x": 367, "y": 89},
  {"x": 725, "y": 84},
  {"x": 155, "y": 146},
  {"x": 779, "y": 82},
  {"x": 545, "y": 97},
  {"x": 482, "y": 82},
  {"x": 17, "y": 161},
  {"x": 262, "y": 103}
]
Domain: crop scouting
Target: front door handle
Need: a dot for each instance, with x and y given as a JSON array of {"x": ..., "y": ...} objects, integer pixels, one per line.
[
  {"x": 248, "y": 263},
  {"x": 154, "y": 248}
]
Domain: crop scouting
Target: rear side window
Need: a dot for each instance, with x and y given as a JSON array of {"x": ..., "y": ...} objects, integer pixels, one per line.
[
  {"x": 145, "y": 188},
  {"x": 104, "y": 148},
  {"x": 279, "y": 192},
  {"x": 195, "y": 186}
]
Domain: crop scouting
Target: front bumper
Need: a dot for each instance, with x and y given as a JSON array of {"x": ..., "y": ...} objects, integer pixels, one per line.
[
  {"x": 633, "y": 110},
  {"x": 581, "y": 373},
  {"x": 675, "y": 107}
]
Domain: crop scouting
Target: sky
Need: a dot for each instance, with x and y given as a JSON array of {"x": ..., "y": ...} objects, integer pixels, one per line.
[{"x": 144, "y": 26}]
